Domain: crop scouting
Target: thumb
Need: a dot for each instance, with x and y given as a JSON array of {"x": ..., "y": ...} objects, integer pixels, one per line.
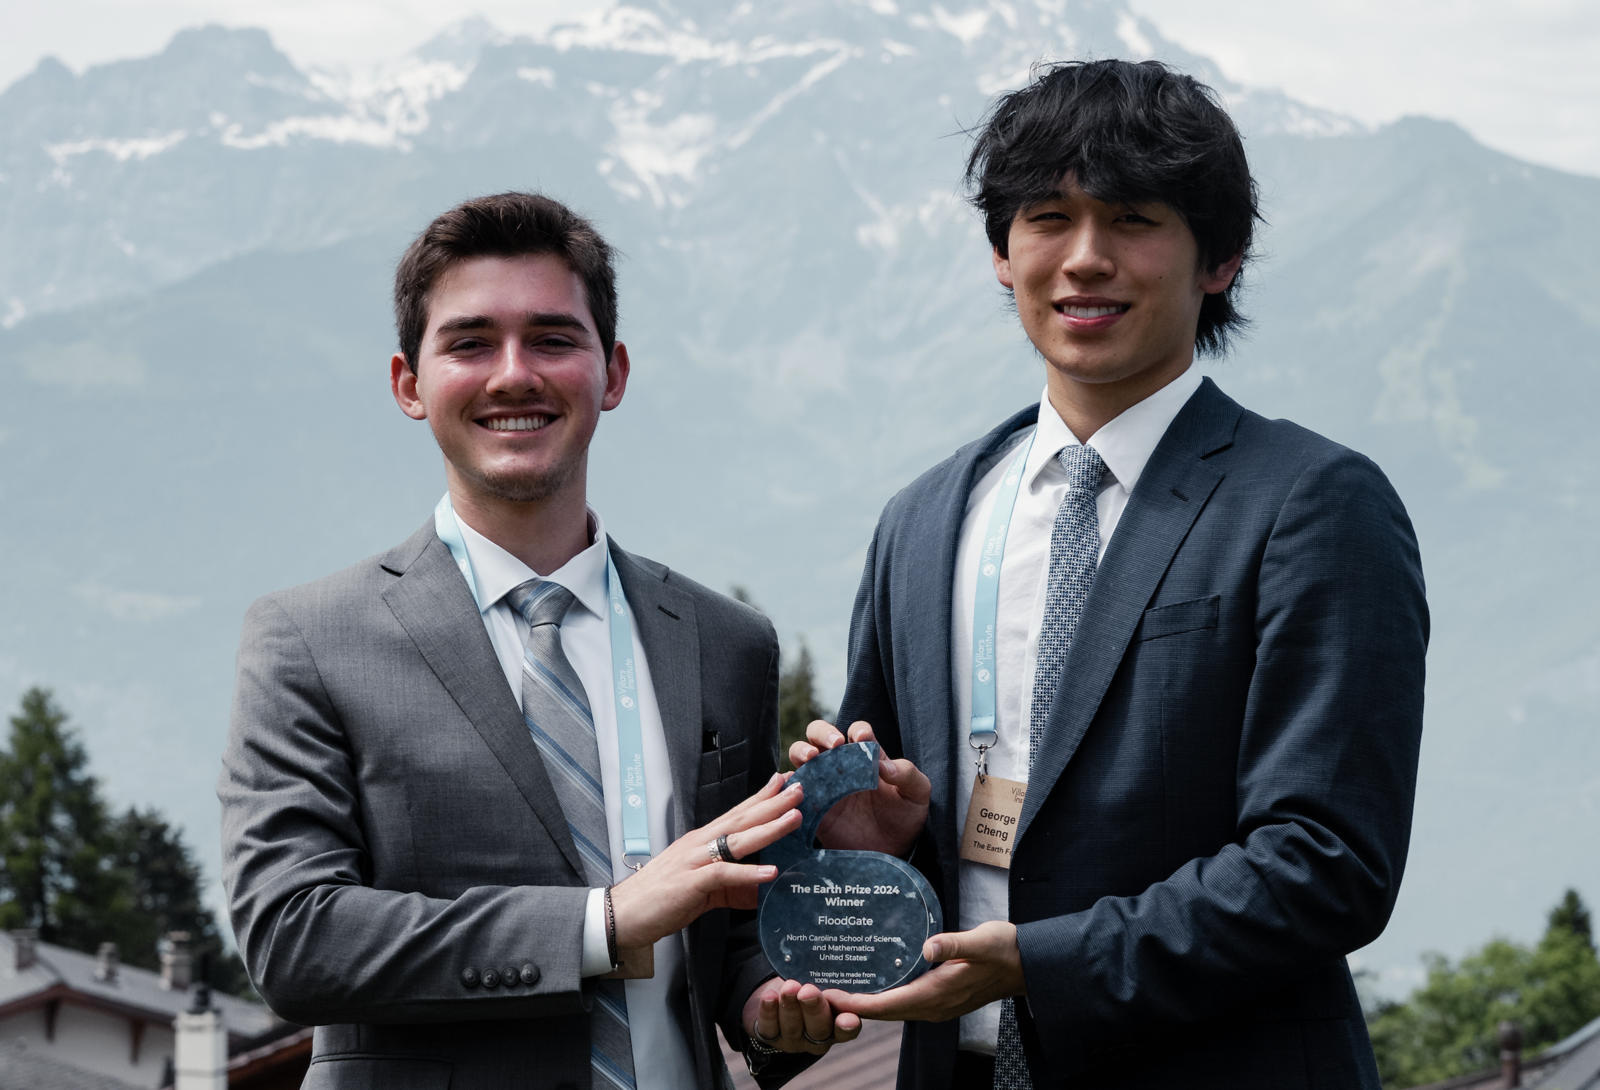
[
  {"x": 942, "y": 947},
  {"x": 907, "y": 778}
]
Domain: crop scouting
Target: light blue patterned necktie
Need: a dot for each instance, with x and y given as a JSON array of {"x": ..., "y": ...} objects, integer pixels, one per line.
[
  {"x": 1074, "y": 558},
  {"x": 556, "y": 709}
]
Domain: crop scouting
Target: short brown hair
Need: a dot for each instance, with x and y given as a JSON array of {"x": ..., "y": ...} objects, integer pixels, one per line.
[{"x": 503, "y": 225}]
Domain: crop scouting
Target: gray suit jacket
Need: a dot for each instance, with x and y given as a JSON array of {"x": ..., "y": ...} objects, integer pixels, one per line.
[{"x": 387, "y": 823}]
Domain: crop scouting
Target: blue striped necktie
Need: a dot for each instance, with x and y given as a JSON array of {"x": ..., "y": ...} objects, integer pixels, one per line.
[
  {"x": 556, "y": 709},
  {"x": 1074, "y": 558}
]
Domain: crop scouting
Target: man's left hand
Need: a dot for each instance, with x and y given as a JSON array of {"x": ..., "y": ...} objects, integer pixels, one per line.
[
  {"x": 971, "y": 969},
  {"x": 794, "y": 1017}
]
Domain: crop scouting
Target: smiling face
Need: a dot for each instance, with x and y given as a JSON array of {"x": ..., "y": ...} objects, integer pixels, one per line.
[
  {"x": 1109, "y": 294},
  {"x": 512, "y": 378}
]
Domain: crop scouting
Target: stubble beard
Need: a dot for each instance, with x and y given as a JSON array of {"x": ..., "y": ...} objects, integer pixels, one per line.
[{"x": 528, "y": 486}]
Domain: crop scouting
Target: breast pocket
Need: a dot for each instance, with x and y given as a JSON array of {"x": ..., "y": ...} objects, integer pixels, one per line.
[
  {"x": 1179, "y": 617},
  {"x": 723, "y": 775}
]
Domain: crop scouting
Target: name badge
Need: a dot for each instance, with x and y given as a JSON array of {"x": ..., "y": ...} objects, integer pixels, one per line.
[{"x": 992, "y": 819}]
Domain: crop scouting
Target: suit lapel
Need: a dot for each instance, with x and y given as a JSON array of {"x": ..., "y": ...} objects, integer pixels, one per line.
[
  {"x": 432, "y": 603},
  {"x": 924, "y": 602},
  {"x": 665, "y": 620},
  {"x": 1173, "y": 489}
]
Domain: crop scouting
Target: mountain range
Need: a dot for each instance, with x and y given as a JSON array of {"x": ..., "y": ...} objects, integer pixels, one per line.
[{"x": 195, "y": 257}]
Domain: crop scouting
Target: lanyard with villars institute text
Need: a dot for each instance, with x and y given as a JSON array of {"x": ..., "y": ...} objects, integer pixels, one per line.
[
  {"x": 986, "y": 608},
  {"x": 625, "y": 688},
  {"x": 995, "y": 811}
]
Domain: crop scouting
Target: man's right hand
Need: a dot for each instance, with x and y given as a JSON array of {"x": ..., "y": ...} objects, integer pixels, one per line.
[{"x": 887, "y": 820}]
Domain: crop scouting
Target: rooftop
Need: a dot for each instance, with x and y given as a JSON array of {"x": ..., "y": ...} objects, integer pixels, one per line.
[{"x": 57, "y": 971}]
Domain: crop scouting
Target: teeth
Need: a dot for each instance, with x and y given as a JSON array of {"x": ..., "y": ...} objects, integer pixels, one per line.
[
  {"x": 518, "y": 423},
  {"x": 1091, "y": 312}
]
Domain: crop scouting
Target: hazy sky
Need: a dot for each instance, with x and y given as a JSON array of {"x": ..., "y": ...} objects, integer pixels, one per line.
[{"x": 1521, "y": 77}]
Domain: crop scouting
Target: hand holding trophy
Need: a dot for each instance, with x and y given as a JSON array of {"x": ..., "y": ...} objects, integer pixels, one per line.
[
  {"x": 846, "y": 919},
  {"x": 867, "y": 813}
]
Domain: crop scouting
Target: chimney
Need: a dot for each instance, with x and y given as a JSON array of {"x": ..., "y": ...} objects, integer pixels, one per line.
[
  {"x": 201, "y": 1047},
  {"x": 106, "y": 961},
  {"x": 26, "y": 944},
  {"x": 1510, "y": 1054},
  {"x": 175, "y": 961}
]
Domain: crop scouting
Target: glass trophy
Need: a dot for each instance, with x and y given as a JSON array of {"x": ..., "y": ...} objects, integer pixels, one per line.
[{"x": 843, "y": 919}]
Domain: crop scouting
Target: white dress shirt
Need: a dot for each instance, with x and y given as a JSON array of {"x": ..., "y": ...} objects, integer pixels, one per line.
[
  {"x": 663, "y": 1058},
  {"x": 1125, "y": 444}
]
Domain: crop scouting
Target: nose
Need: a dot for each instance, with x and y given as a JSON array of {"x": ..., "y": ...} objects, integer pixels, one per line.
[
  {"x": 1088, "y": 255},
  {"x": 514, "y": 371}
]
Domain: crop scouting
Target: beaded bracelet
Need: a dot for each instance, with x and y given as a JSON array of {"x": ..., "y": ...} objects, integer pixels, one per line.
[{"x": 611, "y": 930}]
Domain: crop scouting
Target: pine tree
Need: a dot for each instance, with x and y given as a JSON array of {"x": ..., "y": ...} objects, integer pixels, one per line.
[
  {"x": 55, "y": 839},
  {"x": 167, "y": 887},
  {"x": 1572, "y": 915},
  {"x": 797, "y": 692},
  {"x": 81, "y": 877},
  {"x": 797, "y": 702}
]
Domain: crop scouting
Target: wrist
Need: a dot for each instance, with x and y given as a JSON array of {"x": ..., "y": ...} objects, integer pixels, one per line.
[
  {"x": 611, "y": 929},
  {"x": 625, "y": 919},
  {"x": 759, "y": 1049}
]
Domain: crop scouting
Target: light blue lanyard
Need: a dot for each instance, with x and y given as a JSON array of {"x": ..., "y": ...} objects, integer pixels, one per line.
[
  {"x": 625, "y": 688},
  {"x": 986, "y": 607}
]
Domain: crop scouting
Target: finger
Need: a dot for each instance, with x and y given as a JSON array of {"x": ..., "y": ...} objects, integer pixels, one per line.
[
  {"x": 815, "y": 1013},
  {"x": 823, "y": 735},
  {"x": 726, "y": 877},
  {"x": 753, "y": 811},
  {"x": 945, "y": 946},
  {"x": 801, "y": 752},
  {"x": 861, "y": 731},
  {"x": 746, "y": 841},
  {"x": 791, "y": 1019},
  {"x": 772, "y": 789},
  {"x": 914, "y": 1002},
  {"x": 846, "y": 1027},
  {"x": 907, "y": 778},
  {"x": 767, "y": 1019}
]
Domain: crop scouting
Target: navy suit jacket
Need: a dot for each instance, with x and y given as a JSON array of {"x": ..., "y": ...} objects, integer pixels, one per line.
[{"x": 1221, "y": 805}]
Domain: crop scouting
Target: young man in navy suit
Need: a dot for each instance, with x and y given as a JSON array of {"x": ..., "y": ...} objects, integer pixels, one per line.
[{"x": 1149, "y": 666}]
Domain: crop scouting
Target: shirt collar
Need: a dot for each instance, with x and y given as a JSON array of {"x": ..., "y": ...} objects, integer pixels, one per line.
[
  {"x": 498, "y": 572},
  {"x": 1125, "y": 443}
]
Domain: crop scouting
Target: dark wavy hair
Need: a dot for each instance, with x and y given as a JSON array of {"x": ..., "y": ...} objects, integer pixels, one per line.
[
  {"x": 1127, "y": 133},
  {"x": 503, "y": 225}
]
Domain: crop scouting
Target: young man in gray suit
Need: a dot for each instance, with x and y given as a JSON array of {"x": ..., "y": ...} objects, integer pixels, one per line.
[
  {"x": 1158, "y": 660},
  {"x": 481, "y": 824}
]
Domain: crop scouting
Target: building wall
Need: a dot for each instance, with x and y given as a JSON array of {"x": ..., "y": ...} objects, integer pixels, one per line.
[
  {"x": 27, "y": 1027},
  {"x": 96, "y": 1041}
]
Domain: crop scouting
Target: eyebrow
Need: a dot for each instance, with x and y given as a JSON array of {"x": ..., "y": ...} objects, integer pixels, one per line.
[{"x": 535, "y": 319}]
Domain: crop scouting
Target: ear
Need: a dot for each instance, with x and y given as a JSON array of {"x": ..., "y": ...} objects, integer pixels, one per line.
[
  {"x": 617, "y": 370},
  {"x": 1002, "y": 270},
  {"x": 404, "y": 386},
  {"x": 1217, "y": 280}
]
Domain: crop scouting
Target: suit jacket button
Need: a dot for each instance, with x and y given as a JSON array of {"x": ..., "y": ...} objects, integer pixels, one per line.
[
  {"x": 469, "y": 977},
  {"x": 530, "y": 973},
  {"x": 508, "y": 976},
  {"x": 491, "y": 979}
]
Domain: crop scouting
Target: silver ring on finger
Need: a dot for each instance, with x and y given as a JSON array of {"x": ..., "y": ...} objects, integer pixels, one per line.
[
  {"x": 719, "y": 848},
  {"x": 813, "y": 1040}
]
